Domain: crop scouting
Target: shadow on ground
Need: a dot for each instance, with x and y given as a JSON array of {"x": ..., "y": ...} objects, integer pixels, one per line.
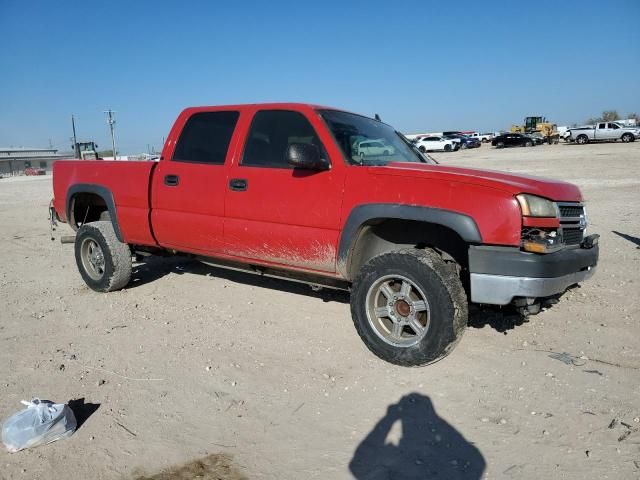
[
  {"x": 81, "y": 410},
  {"x": 631, "y": 238},
  {"x": 427, "y": 447},
  {"x": 155, "y": 268},
  {"x": 212, "y": 467},
  {"x": 500, "y": 319}
]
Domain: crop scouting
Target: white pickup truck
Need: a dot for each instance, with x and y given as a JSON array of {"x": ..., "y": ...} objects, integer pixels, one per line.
[
  {"x": 483, "y": 137},
  {"x": 603, "y": 131}
]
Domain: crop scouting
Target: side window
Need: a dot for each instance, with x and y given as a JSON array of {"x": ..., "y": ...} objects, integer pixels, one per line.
[
  {"x": 205, "y": 138},
  {"x": 602, "y": 125},
  {"x": 614, "y": 126},
  {"x": 271, "y": 133}
]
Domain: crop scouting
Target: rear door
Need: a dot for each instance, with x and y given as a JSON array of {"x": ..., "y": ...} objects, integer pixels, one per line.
[
  {"x": 276, "y": 214},
  {"x": 601, "y": 131},
  {"x": 189, "y": 186}
]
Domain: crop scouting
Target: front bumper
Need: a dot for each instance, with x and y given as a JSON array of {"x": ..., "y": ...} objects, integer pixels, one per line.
[{"x": 498, "y": 275}]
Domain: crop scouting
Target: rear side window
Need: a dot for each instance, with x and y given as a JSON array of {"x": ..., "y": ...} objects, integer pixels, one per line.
[
  {"x": 206, "y": 137},
  {"x": 271, "y": 133}
]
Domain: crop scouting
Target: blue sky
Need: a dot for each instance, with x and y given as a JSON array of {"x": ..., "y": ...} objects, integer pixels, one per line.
[{"x": 423, "y": 66}]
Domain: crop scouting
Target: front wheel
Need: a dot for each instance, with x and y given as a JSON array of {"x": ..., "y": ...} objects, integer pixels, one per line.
[
  {"x": 447, "y": 148},
  {"x": 582, "y": 140},
  {"x": 103, "y": 261},
  {"x": 500, "y": 145},
  {"x": 528, "y": 144},
  {"x": 422, "y": 149},
  {"x": 627, "y": 137},
  {"x": 409, "y": 307}
]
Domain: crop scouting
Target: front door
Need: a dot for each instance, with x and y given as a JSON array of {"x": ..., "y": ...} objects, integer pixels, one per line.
[
  {"x": 276, "y": 214},
  {"x": 189, "y": 187}
]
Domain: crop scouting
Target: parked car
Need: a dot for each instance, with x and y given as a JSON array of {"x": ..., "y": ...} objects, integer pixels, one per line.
[
  {"x": 464, "y": 141},
  {"x": 276, "y": 189},
  {"x": 30, "y": 171},
  {"x": 372, "y": 148},
  {"x": 603, "y": 131},
  {"x": 434, "y": 144},
  {"x": 512, "y": 140},
  {"x": 537, "y": 137}
]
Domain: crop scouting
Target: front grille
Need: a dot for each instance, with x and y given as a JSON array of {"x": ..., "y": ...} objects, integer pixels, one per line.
[
  {"x": 572, "y": 223},
  {"x": 571, "y": 210},
  {"x": 572, "y": 236}
]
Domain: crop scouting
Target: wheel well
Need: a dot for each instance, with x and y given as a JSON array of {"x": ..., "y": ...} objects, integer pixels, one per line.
[
  {"x": 381, "y": 236},
  {"x": 85, "y": 208}
]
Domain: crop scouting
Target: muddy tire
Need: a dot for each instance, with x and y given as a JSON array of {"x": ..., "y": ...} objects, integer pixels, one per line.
[
  {"x": 103, "y": 261},
  {"x": 409, "y": 307}
]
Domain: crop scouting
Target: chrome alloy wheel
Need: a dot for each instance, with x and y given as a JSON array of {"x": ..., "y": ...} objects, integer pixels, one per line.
[
  {"x": 92, "y": 258},
  {"x": 398, "y": 311}
]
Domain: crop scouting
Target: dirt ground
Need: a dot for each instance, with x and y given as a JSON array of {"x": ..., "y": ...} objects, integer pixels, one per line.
[{"x": 246, "y": 377}]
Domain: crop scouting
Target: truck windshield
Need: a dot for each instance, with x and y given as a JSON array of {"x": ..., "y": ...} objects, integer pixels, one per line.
[{"x": 365, "y": 141}]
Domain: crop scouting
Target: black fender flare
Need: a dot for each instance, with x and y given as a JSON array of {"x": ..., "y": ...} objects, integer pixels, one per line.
[
  {"x": 100, "y": 191},
  {"x": 462, "y": 224}
]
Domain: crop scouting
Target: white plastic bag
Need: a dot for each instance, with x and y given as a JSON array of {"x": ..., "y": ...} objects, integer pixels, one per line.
[{"x": 40, "y": 423}]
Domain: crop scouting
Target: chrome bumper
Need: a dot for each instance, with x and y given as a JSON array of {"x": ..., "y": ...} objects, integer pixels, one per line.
[{"x": 501, "y": 289}]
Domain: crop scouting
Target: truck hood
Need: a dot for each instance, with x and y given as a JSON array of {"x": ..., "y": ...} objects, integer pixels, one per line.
[{"x": 513, "y": 184}]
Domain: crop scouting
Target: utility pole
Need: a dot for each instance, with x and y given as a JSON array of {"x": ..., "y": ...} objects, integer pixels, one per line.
[
  {"x": 111, "y": 121},
  {"x": 75, "y": 140}
]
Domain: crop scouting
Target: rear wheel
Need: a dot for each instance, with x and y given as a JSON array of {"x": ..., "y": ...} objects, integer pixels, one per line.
[
  {"x": 409, "y": 307},
  {"x": 422, "y": 149},
  {"x": 528, "y": 143},
  {"x": 500, "y": 145},
  {"x": 627, "y": 137},
  {"x": 103, "y": 261},
  {"x": 582, "y": 140}
]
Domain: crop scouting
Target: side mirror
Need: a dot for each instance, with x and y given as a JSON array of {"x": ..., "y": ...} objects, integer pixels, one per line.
[{"x": 306, "y": 156}]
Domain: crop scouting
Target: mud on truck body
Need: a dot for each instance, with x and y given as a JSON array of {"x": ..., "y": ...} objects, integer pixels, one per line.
[{"x": 278, "y": 189}]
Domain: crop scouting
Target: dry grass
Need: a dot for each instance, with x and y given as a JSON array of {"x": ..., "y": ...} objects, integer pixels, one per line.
[{"x": 212, "y": 467}]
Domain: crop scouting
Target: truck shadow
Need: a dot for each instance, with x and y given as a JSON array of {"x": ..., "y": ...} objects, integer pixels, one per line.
[
  {"x": 428, "y": 447},
  {"x": 154, "y": 268},
  {"x": 500, "y": 319}
]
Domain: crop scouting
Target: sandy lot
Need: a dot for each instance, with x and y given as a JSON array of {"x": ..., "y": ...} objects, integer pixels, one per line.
[{"x": 191, "y": 361}]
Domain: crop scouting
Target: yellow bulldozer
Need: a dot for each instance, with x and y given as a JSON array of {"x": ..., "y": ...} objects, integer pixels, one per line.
[{"x": 548, "y": 130}]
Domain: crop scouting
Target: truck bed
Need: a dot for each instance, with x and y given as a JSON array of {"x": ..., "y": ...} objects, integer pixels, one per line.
[{"x": 128, "y": 183}]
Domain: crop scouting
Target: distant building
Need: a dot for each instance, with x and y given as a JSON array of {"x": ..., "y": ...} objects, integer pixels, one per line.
[{"x": 14, "y": 161}]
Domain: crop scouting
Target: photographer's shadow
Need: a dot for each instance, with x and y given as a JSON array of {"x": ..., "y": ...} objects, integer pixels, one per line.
[{"x": 427, "y": 447}]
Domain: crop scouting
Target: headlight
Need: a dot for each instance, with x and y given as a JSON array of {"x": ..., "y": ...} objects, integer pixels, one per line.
[{"x": 533, "y": 206}]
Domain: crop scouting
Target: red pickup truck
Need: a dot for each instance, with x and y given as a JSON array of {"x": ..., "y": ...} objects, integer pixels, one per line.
[{"x": 284, "y": 190}]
